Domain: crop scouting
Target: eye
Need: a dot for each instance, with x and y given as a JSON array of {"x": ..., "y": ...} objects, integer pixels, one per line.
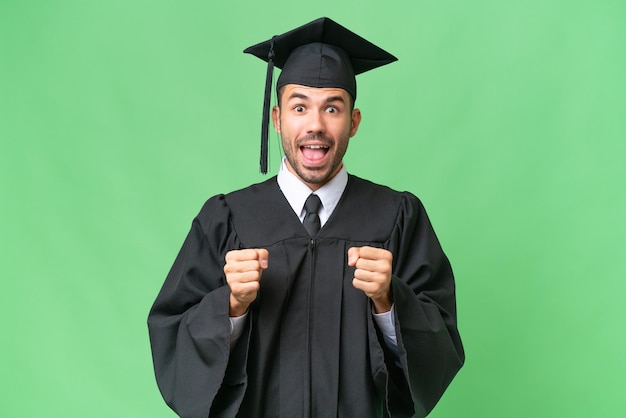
[
  {"x": 332, "y": 109},
  {"x": 299, "y": 108}
]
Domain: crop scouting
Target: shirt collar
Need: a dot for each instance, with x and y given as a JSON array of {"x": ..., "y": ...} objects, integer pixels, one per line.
[{"x": 296, "y": 192}]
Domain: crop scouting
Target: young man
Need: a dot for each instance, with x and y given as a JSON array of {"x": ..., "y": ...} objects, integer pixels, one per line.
[{"x": 314, "y": 293}]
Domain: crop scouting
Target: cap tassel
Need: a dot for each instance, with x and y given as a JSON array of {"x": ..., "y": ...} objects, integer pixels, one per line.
[{"x": 266, "y": 108}]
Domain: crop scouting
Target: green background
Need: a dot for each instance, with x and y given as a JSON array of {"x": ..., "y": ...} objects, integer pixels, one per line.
[{"x": 119, "y": 118}]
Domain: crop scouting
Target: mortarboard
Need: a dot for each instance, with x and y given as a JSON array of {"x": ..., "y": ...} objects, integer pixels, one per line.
[{"x": 321, "y": 53}]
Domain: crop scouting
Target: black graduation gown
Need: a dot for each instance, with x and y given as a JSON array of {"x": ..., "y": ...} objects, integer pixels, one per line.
[{"x": 311, "y": 347}]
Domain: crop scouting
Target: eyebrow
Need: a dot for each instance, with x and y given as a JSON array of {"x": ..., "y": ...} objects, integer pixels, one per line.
[
  {"x": 305, "y": 97},
  {"x": 335, "y": 99},
  {"x": 298, "y": 96}
]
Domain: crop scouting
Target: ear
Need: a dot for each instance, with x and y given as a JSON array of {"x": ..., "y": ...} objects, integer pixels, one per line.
[
  {"x": 356, "y": 121},
  {"x": 276, "y": 118}
]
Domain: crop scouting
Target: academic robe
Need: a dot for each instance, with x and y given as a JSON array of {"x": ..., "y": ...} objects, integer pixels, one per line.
[{"x": 311, "y": 347}]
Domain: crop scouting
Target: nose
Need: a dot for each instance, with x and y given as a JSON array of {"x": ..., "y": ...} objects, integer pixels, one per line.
[{"x": 315, "y": 123}]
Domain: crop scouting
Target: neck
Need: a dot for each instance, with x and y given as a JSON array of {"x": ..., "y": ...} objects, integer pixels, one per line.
[{"x": 313, "y": 186}]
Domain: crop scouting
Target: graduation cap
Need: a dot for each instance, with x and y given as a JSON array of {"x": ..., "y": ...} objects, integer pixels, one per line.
[{"x": 321, "y": 53}]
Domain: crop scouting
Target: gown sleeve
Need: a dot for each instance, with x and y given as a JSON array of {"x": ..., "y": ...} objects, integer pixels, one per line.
[
  {"x": 429, "y": 344},
  {"x": 189, "y": 325}
]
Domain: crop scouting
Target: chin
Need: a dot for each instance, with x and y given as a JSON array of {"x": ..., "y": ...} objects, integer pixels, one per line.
[{"x": 318, "y": 179}]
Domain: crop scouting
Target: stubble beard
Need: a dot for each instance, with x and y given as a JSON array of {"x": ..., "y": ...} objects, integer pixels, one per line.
[{"x": 314, "y": 175}]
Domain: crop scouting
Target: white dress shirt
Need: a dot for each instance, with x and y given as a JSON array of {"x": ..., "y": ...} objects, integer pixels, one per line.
[{"x": 297, "y": 192}]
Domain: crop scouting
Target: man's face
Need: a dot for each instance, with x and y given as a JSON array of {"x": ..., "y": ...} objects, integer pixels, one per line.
[{"x": 316, "y": 125}]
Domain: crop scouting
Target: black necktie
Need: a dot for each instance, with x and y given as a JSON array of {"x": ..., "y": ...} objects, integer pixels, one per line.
[{"x": 312, "y": 219}]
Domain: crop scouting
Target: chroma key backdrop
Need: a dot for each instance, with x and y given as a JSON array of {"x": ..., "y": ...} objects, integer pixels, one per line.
[{"x": 118, "y": 119}]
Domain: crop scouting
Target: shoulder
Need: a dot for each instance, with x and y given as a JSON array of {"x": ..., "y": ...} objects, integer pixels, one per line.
[
  {"x": 221, "y": 213},
  {"x": 255, "y": 191},
  {"x": 260, "y": 214},
  {"x": 371, "y": 212},
  {"x": 225, "y": 202},
  {"x": 380, "y": 195}
]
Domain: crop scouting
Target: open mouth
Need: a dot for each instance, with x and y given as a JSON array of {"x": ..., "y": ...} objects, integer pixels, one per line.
[{"x": 314, "y": 152}]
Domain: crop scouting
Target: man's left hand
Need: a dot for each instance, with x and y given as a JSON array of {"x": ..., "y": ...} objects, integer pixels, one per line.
[{"x": 372, "y": 274}]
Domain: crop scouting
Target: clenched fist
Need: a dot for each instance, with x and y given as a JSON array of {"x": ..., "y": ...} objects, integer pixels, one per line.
[
  {"x": 372, "y": 274},
  {"x": 243, "y": 271}
]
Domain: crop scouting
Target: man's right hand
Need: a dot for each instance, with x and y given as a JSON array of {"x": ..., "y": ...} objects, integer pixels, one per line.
[{"x": 243, "y": 272}]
